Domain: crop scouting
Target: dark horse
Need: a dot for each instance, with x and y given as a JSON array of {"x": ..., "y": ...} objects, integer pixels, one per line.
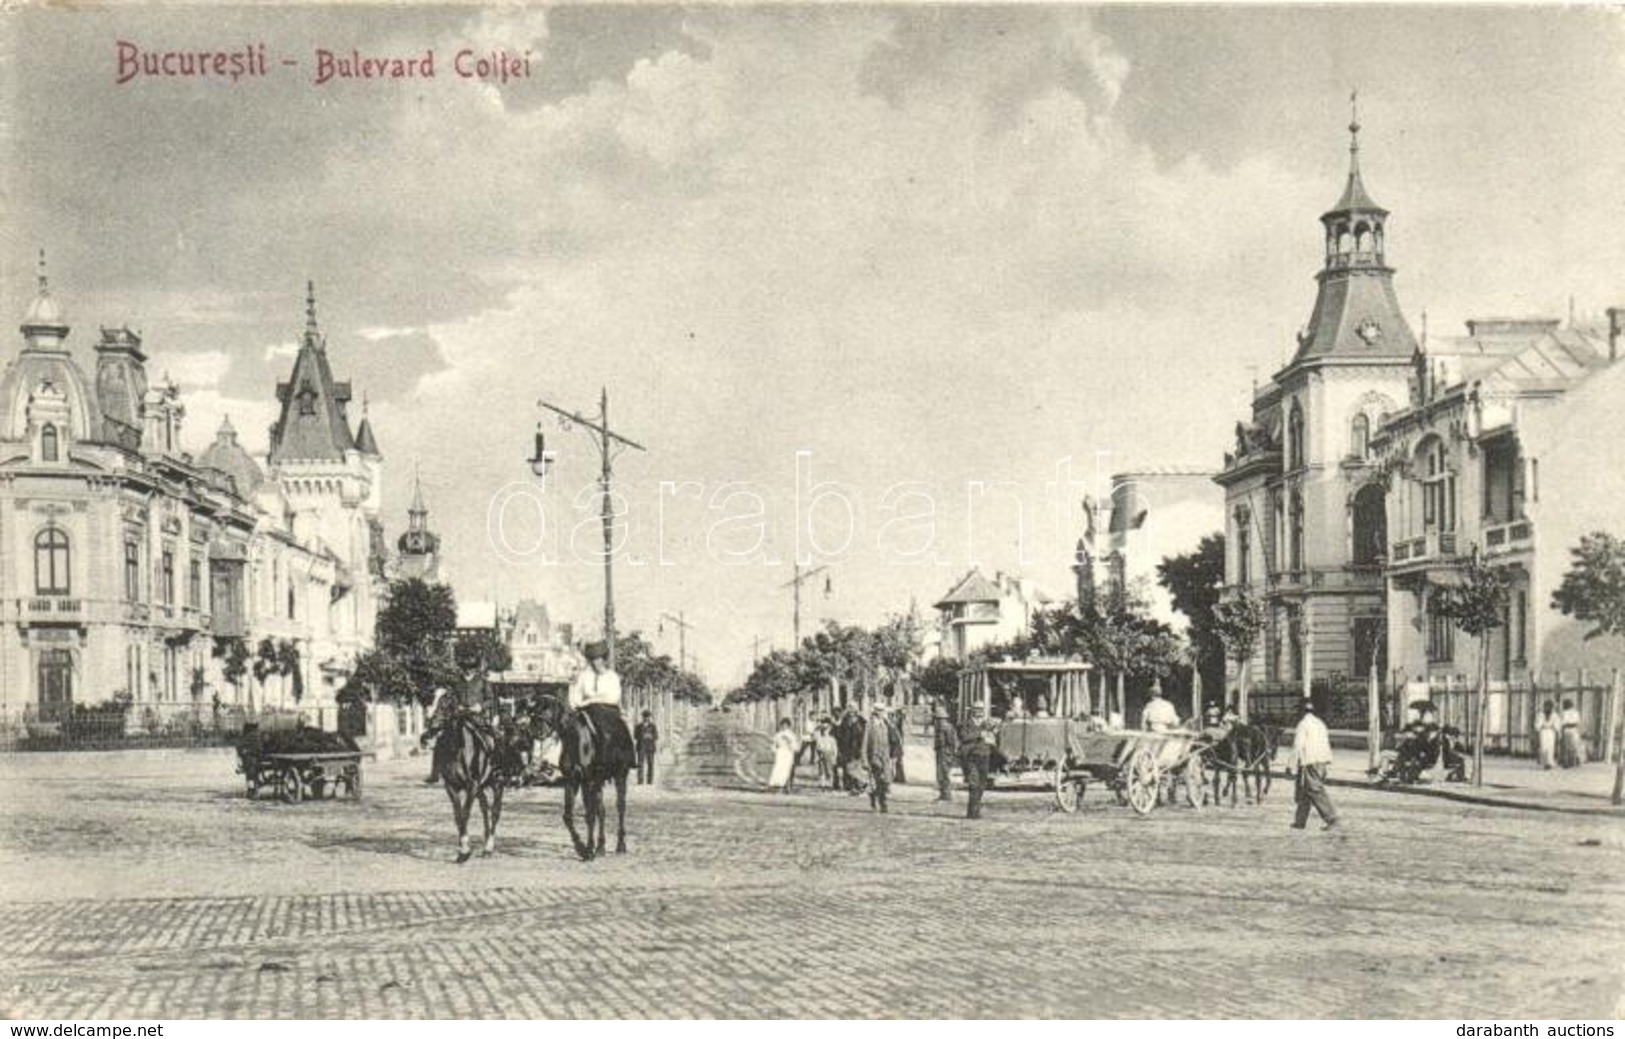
[
  {"x": 1245, "y": 751},
  {"x": 589, "y": 757},
  {"x": 467, "y": 758}
]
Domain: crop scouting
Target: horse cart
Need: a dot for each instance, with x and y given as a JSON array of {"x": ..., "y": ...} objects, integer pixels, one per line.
[
  {"x": 1049, "y": 740},
  {"x": 298, "y": 775}
]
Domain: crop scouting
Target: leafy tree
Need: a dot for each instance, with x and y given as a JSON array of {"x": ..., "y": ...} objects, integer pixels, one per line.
[
  {"x": 484, "y": 650},
  {"x": 1239, "y": 623},
  {"x": 413, "y": 639},
  {"x": 1195, "y": 581},
  {"x": 1476, "y": 606},
  {"x": 234, "y": 656},
  {"x": 1593, "y": 590},
  {"x": 940, "y": 680}
]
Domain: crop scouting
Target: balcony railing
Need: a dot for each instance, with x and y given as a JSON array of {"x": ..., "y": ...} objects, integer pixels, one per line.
[
  {"x": 1328, "y": 579},
  {"x": 1436, "y": 545},
  {"x": 1508, "y": 537},
  {"x": 48, "y": 609}
]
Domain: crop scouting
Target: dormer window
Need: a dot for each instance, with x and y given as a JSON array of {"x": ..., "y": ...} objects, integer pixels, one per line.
[
  {"x": 48, "y": 445},
  {"x": 307, "y": 399}
]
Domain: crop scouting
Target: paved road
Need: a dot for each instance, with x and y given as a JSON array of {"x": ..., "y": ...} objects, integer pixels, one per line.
[{"x": 143, "y": 886}]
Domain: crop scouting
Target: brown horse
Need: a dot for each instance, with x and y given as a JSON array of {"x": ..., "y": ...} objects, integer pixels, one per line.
[
  {"x": 590, "y": 756},
  {"x": 466, "y": 757},
  {"x": 1245, "y": 751}
]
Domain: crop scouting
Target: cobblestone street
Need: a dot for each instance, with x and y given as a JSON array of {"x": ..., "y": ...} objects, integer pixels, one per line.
[{"x": 148, "y": 886}]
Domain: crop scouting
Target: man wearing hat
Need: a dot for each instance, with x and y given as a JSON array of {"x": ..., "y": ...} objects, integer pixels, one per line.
[
  {"x": 975, "y": 755},
  {"x": 596, "y": 685},
  {"x": 1311, "y": 756},
  {"x": 945, "y": 742},
  {"x": 1159, "y": 714},
  {"x": 647, "y": 738},
  {"x": 878, "y": 746}
]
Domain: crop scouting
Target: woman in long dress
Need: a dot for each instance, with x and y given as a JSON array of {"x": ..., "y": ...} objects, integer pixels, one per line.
[
  {"x": 1546, "y": 727},
  {"x": 784, "y": 757},
  {"x": 1570, "y": 753}
]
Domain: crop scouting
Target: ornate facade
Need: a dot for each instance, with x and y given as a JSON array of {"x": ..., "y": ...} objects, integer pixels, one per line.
[
  {"x": 127, "y": 565},
  {"x": 1375, "y": 466}
]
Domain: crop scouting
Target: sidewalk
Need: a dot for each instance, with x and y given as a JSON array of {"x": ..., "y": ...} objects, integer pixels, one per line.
[{"x": 1508, "y": 783}]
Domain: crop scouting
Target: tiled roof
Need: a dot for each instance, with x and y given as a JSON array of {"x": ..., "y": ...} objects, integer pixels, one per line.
[{"x": 973, "y": 587}]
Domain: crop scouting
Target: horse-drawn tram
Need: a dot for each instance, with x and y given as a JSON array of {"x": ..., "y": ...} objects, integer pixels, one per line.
[
  {"x": 1049, "y": 739},
  {"x": 298, "y": 765}
]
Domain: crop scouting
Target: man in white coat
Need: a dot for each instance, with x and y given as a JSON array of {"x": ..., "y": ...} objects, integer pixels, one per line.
[{"x": 1311, "y": 756}]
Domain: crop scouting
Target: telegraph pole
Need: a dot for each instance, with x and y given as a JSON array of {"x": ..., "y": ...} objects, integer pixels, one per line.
[
  {"x": 682, "y": 637},
  {"x": 608, "y": 442},
  {"x": 801, "y": 577}
]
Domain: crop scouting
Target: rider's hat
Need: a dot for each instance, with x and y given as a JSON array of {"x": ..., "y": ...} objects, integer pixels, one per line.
[
  {"x": 596, "y": 651},
  {"x": 648, "y": 714}
]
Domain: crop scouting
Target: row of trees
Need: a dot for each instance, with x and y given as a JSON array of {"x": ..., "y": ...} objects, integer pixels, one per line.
[
  {"x": 417, "y": 649},
  {"x": 865, "y": 661}
]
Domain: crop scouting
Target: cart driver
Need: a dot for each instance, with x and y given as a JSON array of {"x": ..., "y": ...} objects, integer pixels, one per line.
[{"x": 1159, "y": 715}]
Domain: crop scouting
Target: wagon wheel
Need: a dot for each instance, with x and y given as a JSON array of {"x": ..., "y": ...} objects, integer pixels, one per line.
[
  {"x": 1068, "y": 791},
  {"x": 293, "y": 787},
  {"x": 1142, "y": 781}
]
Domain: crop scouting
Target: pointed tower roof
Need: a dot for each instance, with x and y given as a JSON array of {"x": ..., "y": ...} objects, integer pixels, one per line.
[
  {"x": 1357, "y": 318},
  {"x": 1355, "y": 197},
  {"x": 364, "y": 440},
  {"x": 311, "y": 426}
]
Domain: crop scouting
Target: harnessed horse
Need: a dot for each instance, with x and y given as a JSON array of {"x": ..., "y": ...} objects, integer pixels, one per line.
[
  {"x": 466, "y": 758},
  {"x": 590, "y": 756},
  {"x": 1245, "y": 751}
]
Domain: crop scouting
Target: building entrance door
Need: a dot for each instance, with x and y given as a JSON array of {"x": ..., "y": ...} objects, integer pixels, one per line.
[{"x": 55, "y": 684}]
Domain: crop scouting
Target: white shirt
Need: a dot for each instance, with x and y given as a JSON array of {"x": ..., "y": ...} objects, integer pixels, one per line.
[
  {"x": 593, "y": 687},
  {"x": 1311, "y": 744},
  {"x": 1160, "y": 716}
]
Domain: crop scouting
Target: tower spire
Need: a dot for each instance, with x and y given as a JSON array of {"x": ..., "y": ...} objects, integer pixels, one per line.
[
  {"x": 44, "y": 283},
  {"x": 310, "y": 308},
  {"x": 1354, "y": 128}
]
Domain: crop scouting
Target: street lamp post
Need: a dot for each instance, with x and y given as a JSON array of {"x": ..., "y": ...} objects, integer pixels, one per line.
[
  {"x": 682, "y": 637},
  {"x": 607, "y": 441},
  {"x": 802, "y": 577}
]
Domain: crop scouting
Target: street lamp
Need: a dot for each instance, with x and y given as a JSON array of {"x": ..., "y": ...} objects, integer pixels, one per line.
[
  {"x": 542, "y": 458},
  {"x": 608, "y": 443}
]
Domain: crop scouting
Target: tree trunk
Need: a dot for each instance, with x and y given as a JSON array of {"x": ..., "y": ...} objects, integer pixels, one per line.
[
  {"x": 1483, "y": 708},
  {"x": 1373, "y": 717},
  {"x": 1241, "y": 688}
]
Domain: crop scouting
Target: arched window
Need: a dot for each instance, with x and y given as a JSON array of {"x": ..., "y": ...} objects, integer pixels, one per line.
[
  {"x": 1294, "y": 437},
  {"x": 51, "y": 562},
  {"x": 48, "y": 451},
  {"x": 1360, "y": 436}
]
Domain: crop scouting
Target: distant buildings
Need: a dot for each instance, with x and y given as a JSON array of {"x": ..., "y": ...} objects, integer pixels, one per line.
[{"x": 978, "y": 612}]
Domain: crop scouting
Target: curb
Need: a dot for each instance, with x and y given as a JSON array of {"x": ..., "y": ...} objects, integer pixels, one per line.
[{"x": 1467, "y": 797}]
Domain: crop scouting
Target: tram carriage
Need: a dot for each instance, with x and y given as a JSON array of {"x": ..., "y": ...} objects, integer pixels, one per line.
[{"x": 1049, "y": 739}]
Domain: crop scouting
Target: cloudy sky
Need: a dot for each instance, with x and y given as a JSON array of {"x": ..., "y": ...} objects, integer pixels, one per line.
[{"x": 959, "y": 262}]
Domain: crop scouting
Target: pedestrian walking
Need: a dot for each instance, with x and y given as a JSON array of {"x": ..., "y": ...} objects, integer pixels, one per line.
[
  {"x": 784, "y": 757},
  {"x": 1311, "y": 757},
  {"x": 898, "y": 721},
  {"x": 827, "y": 753},
  {"x": 1570, "y": 751},
  {"x": 1547, "y": 726},
  {"x": 945, "y": 742},
  {"x": 647, "y": 738},
  {"x": 975, "y": 753},
  {"x": 876, "y": 755}
]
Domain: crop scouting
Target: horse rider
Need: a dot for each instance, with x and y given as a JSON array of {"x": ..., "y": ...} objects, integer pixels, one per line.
[
  {"x": 945, "y": 742},
  {"x": 976, "y": 737},
  {"x": 1215, "y": 726},
  {"x": 595, "y": 686}
]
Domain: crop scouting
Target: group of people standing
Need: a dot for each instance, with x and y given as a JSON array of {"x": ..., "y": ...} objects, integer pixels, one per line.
[
  {"x": 850, "y": 752},
  {"x": 1558, "y": 736}
]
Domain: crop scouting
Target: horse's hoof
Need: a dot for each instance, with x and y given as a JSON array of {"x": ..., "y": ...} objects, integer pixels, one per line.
[
  {"x": 620, "y": 849},
  {"x": 463, "y": 857}
]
